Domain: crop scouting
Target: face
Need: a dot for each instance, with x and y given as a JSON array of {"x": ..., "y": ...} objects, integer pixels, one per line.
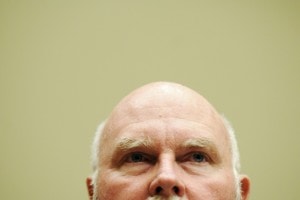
[{"x": 158, "y": 149}]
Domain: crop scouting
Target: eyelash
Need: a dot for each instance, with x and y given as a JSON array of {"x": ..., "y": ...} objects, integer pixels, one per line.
[
  {"x": 144, "y": 157},
  {"x": 191, "y": 157}
]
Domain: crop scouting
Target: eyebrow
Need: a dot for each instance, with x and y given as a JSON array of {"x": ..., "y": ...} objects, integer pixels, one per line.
[
  {"x": 130, "y": 143},
  {"x": 198, "y": 142}
]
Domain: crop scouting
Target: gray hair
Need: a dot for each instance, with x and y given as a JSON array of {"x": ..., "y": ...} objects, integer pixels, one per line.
[
  {"x": 235, "y": 156},
  {"x": 233, "y": 149}
]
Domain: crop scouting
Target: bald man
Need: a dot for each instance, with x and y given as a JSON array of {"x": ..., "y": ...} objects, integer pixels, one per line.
[{"x": 165, "y": 141}]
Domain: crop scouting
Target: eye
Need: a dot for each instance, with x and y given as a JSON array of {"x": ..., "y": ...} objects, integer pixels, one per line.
[
  {"x": 137, "y": 157},
  {"x": 198, "y": 157}
]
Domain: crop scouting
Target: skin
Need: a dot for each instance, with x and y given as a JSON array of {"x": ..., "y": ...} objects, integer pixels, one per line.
[{"x": 164, "y": 140}]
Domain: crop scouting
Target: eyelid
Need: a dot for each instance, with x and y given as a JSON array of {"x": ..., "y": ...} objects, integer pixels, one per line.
[
  {"x": 129, "y": 156},
  {"x": 148, "y": 158},
  {"x": 189, "y": 155}
]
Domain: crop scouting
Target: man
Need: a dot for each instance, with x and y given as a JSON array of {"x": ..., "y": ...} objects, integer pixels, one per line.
[{"x": 165, "y": 141}]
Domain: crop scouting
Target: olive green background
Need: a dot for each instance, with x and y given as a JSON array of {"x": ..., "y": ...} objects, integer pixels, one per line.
[{"x": 64, "y": 65}]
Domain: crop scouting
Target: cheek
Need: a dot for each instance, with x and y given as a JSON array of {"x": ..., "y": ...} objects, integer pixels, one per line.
[
  {"x": 114, "y": 186},
  {"x": 217, "y": 187}
]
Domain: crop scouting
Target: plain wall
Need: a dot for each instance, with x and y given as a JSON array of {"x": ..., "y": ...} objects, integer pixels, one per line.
[{"x": 65, "y": 64}]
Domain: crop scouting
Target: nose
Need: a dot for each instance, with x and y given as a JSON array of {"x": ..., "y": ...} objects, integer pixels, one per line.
[{"x": 167, "y": 181}]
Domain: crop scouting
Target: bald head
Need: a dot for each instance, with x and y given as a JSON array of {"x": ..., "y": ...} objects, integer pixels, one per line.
[
  {"x": 162, "y": 140},
  {"x": 161, "y": 100},
  {"x": 163, "y": 94}
]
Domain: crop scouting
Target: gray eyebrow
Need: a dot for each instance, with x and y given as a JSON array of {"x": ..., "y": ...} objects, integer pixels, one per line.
[
  {"x": 131, "y": 143},
  {"x": 198, "y": 142}
]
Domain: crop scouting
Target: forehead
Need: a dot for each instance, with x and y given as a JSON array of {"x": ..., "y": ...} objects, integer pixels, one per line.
[
  {"x": 167, "y": 116},
  {"x": 164, "y": 127}
]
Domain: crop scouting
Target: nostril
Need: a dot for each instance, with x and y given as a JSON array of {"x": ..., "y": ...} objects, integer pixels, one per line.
[
  {"x": 176, "y": 190},
  {"x": 158, "y": 190}
]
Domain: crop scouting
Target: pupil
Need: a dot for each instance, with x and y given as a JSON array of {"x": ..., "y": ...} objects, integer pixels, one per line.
[
  {"x": 136, "y": 157},
  {"x": 198, "y": 157}
]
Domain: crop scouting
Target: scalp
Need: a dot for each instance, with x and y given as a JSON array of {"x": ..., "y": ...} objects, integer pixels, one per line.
[{"x": 183, "y": 101}]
